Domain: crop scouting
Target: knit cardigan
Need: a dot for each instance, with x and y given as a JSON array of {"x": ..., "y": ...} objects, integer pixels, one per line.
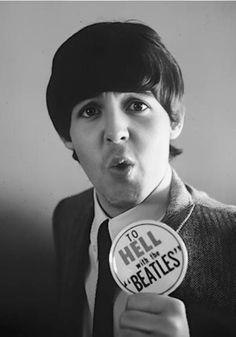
[{"x": 208, "y": 229}]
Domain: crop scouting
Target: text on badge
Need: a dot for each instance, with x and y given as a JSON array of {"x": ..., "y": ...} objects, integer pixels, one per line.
[{"x": 138, "y": 247}]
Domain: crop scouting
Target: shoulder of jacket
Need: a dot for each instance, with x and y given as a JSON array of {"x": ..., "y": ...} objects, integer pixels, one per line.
[
  {"x": 71, "y": 207},
  {"x": 70, "y": 212},
  {"x": 213, "y": 213},
  {"x": 75, "y": 202},
  {"x": 202, "y": 199}
]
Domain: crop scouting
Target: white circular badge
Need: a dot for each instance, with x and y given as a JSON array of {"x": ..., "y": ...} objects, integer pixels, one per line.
[{"x": 148, "y": 256}]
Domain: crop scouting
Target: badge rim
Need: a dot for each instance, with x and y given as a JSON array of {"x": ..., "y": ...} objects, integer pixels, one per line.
[{"x": 171, "y": 231}]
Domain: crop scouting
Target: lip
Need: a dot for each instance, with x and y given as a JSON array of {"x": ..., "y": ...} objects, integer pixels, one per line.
[
  {"x": 120, "y": 160},
  {"x": 120, "y": 165}
]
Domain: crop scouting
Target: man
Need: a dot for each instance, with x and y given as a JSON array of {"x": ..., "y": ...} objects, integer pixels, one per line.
[{"x": 115, "y": 98}]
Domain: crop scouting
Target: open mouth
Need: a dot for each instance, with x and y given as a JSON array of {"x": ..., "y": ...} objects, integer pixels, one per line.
[{"x": 121, "y": 165}]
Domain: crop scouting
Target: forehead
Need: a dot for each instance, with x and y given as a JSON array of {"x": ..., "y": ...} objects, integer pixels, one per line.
[{"x": 119, "y": 95}]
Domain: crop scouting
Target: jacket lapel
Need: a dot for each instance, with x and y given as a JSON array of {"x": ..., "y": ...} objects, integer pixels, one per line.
[{"x": 180, "y": 205}]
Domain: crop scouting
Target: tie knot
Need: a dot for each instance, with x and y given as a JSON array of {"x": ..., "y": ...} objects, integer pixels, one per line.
[
  {"x": 104, "y": 246},
  {"x": 104, "y": 239}
]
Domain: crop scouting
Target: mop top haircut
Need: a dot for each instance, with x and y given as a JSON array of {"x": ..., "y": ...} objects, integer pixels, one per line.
[{"x": 112, "y": 56}]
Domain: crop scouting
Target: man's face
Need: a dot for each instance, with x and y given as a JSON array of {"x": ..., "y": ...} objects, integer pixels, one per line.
[{"x": 122, "y": 142}]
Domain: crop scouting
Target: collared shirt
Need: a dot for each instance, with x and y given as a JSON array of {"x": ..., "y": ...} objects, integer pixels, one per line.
[{"x": 153, "y": 207}]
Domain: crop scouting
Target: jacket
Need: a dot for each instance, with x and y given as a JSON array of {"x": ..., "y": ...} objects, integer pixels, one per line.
[{"x": 208, "y": 229}]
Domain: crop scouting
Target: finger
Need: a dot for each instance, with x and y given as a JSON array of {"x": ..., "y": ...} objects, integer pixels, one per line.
[
  {"x": 131, "y": 333},
  {"x": 154, "y": 303},
  {"x": 138, "y": 321}
]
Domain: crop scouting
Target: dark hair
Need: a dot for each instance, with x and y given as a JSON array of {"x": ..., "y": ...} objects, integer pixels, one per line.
[{"x": 112, "y": 56}]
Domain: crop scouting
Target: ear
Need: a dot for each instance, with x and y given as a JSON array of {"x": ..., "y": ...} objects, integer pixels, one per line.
[
  {"x": 178, "y": 123},
  {"x": 68, "y": 144}
]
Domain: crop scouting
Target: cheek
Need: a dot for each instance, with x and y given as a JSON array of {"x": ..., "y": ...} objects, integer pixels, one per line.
[
  {"x": 154, "y": 153},
  {"x": 87, "y": 151},
  {"x": 155, "y": 135}
]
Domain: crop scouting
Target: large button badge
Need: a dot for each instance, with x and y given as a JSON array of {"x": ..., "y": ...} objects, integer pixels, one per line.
[{"x": 148, "y": 256}]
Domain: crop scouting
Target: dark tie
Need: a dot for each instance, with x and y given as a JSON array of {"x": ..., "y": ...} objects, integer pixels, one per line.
[{"x": 106, "y": 286}]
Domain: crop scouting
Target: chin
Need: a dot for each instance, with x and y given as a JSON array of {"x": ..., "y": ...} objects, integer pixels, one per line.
[{"x": 124, "y": 199}]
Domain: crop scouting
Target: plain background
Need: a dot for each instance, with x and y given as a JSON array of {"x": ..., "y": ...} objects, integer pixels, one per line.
[{"x": 36, "y": 171}]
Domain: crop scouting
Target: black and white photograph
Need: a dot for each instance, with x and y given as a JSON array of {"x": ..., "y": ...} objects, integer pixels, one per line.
[{"x": 117, "y": 169}]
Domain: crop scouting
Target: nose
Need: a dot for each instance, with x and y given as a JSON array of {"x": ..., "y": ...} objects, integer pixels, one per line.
[{"x": 116, "y": 128}]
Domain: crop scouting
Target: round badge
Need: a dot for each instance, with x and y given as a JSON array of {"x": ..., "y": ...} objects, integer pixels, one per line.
[{"x": 148, "y": 256}]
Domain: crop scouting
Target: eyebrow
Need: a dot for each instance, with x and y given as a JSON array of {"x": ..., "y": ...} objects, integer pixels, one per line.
[
  {"x": 125, "y": 93},
  {"x": 143, "y": 93}
]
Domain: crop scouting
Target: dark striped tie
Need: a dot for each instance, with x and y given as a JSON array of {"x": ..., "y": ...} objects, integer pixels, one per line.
[{"x": 106, "y": 286}]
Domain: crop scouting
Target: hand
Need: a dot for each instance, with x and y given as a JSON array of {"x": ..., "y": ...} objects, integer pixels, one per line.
[{"x": 149, "y": 314}]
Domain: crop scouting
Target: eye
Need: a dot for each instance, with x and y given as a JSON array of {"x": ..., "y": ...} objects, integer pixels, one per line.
[
  {"x": 89, "y": 112},
  {"x": 137, "y": 106}
]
